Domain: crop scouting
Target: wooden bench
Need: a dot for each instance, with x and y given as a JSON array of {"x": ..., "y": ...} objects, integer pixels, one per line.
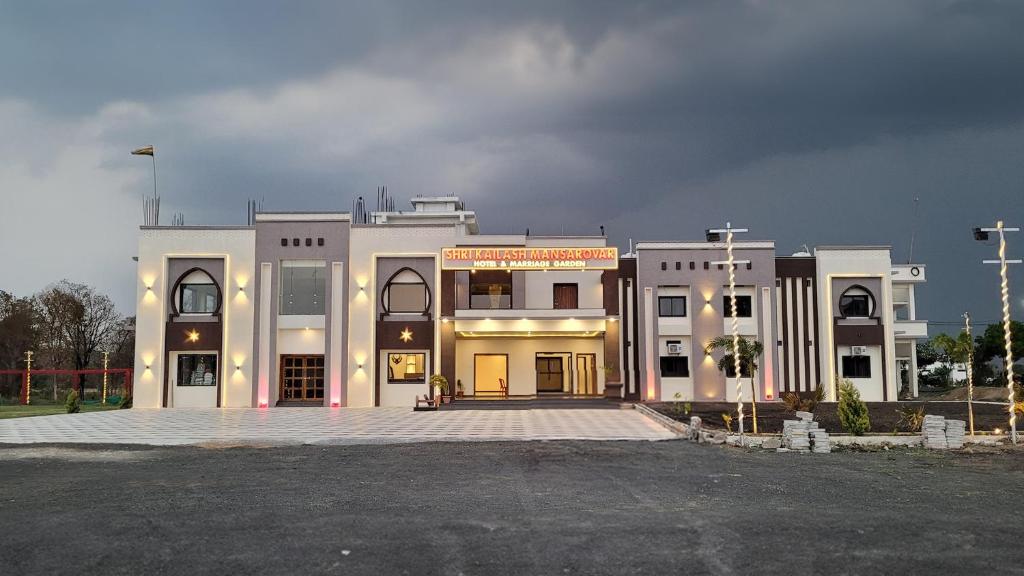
[{"x": 425, "y": 403}]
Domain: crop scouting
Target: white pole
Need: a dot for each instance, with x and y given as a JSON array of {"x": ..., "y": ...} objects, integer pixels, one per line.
[
  {"x": 970, "y": 372},
  {"x": 735, "y": 327},
  {"x": 1008, "y": 339}
]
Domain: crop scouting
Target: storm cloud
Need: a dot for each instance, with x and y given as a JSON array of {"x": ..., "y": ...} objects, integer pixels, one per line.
[{"x": 808, "y": 122}]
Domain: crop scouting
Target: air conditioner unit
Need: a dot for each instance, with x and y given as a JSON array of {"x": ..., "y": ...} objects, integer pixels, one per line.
[
  {"x": 675, "y": 348},
  {"x": 859, "y": 350}
]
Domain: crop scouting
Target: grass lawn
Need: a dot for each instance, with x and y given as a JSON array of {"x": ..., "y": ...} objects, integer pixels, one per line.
[{"x": 18, "y": 411}]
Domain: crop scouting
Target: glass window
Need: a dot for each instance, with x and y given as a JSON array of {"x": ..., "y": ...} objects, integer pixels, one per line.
[
  {"x": 672, "y": 306},
  {"x": 406, "y": 293},
  {"x": 407, "y": 368},
  {"x": 197, "y": 370},
  {"x": 197, "y": 299},
  {"x": 744, "y": 309},
  {"x": 854, "y": 305},
  {"x": 490, "y": 290},
  {"x": 856, "y": 367},
  {"x": 303, "y": 285},
  {"x": 675, "y": 367}
]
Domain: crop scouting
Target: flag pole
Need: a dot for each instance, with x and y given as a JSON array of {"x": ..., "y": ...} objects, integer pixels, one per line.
[{"x": 153, "y": 156}]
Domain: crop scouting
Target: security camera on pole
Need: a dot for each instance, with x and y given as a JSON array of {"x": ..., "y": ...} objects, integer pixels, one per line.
[
  {"x": 731, "y": 262},
  {"x": 982, "y": 235}
]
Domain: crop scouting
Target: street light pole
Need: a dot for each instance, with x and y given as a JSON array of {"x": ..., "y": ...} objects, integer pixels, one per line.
[
  {"x": 731, "y": 262},
  {"x": 1004, "y": 289},
  {"x": 970, "y": 372}
]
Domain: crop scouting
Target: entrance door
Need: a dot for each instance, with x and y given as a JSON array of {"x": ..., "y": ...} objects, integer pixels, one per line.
[
  {"x": 586, "y": 374},
  {"x": 490, "y": 374},
  {"x": 193, "y": 379},
  {"x": 550, "y": 374},
  {"x": 302, "y": 378}
]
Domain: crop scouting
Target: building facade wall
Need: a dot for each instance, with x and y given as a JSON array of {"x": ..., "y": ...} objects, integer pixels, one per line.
[
  {"x": 227, "y": 250},
  {"x": 275, "y": 242},
  {"x": 704, "y": 284}
]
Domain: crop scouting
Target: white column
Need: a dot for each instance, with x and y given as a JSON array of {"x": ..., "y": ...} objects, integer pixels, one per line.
[
  {"x": 336, "y": 358},
  {"x": 650, "y": 337},
  {"x": 266, "y": 293}
]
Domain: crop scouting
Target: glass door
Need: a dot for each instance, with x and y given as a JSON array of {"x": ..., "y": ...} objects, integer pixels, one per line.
[
  {"x": 586, "y": 374},
  {"x": 302, "y": 378},
  {"x": 550, "y": 374}
]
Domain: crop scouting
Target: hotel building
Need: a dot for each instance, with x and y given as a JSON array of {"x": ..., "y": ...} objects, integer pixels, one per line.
[
  {"x": 340, "y": 309},
  {"x": 316, "y": 309}
]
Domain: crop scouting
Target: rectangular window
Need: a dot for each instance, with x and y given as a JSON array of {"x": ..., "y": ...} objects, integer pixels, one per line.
[
  {"x": 672, "y": 306},
  {"x": 490, "y": 290},
  {"x": 743, "y": 306},
  {"x": 197, "y": 370},
  {"x": 407, "y": 368},
  {"x": 854, "y": 306},
  {"x": 197, "y": 299},
  {"x": 730, "y": 370},
  {"x": 856, "y": 367},
  {"x": 407, "y": 298},
  {"x": 675, "y": 367},
  {"x": 303, "y": 287},
  {"x": 566, "y": 296}
]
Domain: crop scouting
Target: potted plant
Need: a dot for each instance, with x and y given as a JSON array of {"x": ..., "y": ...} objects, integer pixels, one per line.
[
  {"x": 459, "y": 390},
  {"x": 440, "y": 385}
]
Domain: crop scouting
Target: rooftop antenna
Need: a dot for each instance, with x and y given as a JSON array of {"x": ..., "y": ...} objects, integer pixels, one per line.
[
  {"x": 151, "y": 211},
  {"x": 178, "y": 219},
  {"x": 913, "y": 230},
  {"x": 806, "y": 249},
  {"x": 630, "y": 245}
]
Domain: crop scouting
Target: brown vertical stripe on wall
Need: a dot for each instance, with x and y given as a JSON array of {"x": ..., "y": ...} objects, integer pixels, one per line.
[
  {"x": 785, "y": 337},
  {"x": 803, "y": 345},
  {"x": 795, "y": 296},
  {"x": 817, "y": 338}
]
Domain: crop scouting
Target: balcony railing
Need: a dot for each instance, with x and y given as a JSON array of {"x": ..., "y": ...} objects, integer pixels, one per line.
[{"x": 490, "y": 302}]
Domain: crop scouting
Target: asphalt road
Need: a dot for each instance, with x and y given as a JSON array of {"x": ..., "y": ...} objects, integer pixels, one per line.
[{"x": 507, "y": 508}]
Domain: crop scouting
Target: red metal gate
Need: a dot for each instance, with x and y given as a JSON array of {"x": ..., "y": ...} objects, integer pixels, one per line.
[{"x": 23, "y": 395}]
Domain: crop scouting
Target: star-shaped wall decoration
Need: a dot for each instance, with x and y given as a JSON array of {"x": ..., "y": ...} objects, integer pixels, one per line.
[
  {"x": 406, "y": 335},
  {"x": 193, "y": 336}
]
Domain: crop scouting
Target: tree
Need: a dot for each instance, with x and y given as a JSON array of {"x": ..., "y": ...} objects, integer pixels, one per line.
[
  {"x": 953, "y": 351},
  {"x": 992, "y": 342},
  {"x": 852, "y": 411},
  {"x": 927, "y": 353},
  {"x": 78, "y": 320},
  {"x": 18, "y": 330},
  {"x": 750, "y": 351}
]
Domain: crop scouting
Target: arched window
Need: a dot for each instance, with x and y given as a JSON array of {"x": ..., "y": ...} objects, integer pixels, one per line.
[
  {"x": 197, "y": 293},
  {"x": 406, "y": 293},
  {"x": 856, "y": 302}
]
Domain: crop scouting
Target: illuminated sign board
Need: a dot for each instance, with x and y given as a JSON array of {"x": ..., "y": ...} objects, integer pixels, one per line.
[{"x": 533, "y": 258}]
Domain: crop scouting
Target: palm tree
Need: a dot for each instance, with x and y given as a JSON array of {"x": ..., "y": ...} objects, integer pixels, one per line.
[{"x": 750, "y": 351}]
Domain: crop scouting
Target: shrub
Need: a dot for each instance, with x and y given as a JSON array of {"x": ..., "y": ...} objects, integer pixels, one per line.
[
  {"x": 804, "y": 402},
  {"x": 727, "y": 418},
  {"x": 72, "y": 403},
  {"x": 440, "y": 381},
  {"x": 125, "y": 403},
  {"x": 910, "y": 419},
  {"x": 853, "y": 412}
]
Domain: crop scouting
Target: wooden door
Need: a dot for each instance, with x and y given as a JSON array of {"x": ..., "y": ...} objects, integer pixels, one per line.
[
  {"x": 302, "y": 378},
  {"x": 566, "y": 296},
  {"x": 550, "y": 374}
]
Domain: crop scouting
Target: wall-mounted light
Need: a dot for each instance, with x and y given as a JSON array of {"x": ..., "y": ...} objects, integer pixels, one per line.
[
  {"x": 149, "y": 288},
  {"x": 238, "y": 367},
  {"x": 147, "y": 367},
  {"x": 193, "y": 336},
  {"x": 241, "y": 288},
  {"x": 444, "y": 320},
  {"x": 359, "y": 366},
  {"x": 612, "y": 319}
]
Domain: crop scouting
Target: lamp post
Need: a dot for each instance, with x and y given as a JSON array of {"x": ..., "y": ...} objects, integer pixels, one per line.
[
  {"x": 106, "y": 358},
  {"x": 28, "y": 377},
  {"x": 731, "y": 262},
  {"x": 1004, "y": 289},
  {"x": 970, "y": 372}
]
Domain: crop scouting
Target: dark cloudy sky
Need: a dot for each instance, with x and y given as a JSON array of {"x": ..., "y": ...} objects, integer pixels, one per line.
[{"x": 808, "y": 122}]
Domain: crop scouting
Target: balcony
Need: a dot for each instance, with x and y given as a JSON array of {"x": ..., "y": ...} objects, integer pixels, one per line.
[
  {"x": 910, "y": 328},
  {"x": 908, "y": 273}
]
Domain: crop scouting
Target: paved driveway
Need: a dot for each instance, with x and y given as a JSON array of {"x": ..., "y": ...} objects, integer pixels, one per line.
[{"x": 328, "y": 426}]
